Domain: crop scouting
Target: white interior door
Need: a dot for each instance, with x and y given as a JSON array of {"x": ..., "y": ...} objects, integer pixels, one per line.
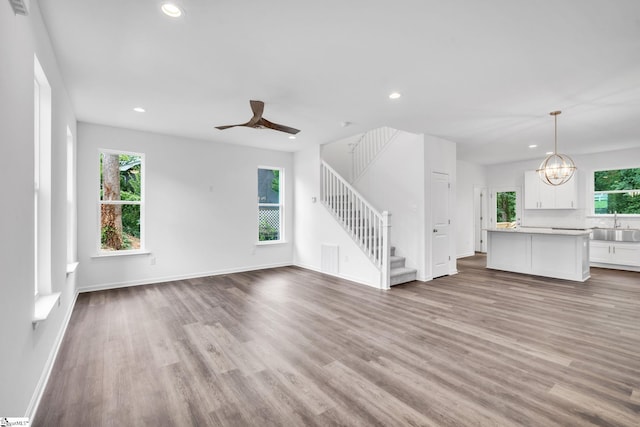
[{"x": 441, "y": 223}]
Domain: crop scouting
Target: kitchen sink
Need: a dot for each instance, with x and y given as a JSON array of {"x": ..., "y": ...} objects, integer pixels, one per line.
[{"x": 616, "y": 234}]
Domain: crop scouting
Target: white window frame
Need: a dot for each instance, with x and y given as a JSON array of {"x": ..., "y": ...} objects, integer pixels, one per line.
[
  {"x": 141, "y": 203},
  {"x": 493, "y": 195},
  {"x": 36, "y": 181},
  {"x": 72, "y": 211},
  {"x": 594, "y": 192},
  {"x": 280, "y": 205},
  {"x": 44, "y": 299},
  {"x": 41, "y": 181}
]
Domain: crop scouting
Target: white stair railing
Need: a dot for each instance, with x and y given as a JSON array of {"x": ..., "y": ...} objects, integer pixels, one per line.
[
  {"x": 368, "y": 227},
  {"x": 367, "y": 148}
]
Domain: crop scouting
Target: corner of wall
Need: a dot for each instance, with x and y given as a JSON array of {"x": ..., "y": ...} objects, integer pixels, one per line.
[{"x": 38, "y": 392}]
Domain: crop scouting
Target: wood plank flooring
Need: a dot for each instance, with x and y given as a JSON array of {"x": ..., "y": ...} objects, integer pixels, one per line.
[{"x": 291, "y": 347}]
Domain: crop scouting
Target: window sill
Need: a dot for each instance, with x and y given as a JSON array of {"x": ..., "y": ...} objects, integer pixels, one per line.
[
  {"x": 44, "y": 305},
  {"x": 120, "y": 253},
  {"x": 71, "y": 267},
  {"x": 271, "y": 242}
]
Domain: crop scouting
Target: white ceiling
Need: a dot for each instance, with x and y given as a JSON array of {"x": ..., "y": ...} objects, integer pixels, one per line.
[{"x": 484, "y": 74}]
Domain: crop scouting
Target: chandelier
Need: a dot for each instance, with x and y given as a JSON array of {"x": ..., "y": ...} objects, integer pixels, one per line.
[{"x": 556, "y": 169}]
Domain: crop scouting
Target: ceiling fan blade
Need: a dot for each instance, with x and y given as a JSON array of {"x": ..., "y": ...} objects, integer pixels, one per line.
[
  {"x": 226, "y": 127},
  {"x": 233, "y": 126},
  {"x": 258, "y": 122},
  {"x": 266, "y": 123},
  {"x": 258, "y": 108}
]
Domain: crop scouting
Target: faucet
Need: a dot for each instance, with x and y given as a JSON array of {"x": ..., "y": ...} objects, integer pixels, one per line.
[{"x": 615, "y": 220}]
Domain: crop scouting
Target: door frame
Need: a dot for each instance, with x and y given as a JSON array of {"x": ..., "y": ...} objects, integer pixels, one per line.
[
  {"x": 492, "y": 209},
  {"x": 448, "y": 225}
]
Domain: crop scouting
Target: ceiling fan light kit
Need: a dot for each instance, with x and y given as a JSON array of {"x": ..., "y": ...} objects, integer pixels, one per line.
[
  {"x": 172, "y": 10},
  {"x": 258, "y": 122},
  {"x": 556, "y": 169}
]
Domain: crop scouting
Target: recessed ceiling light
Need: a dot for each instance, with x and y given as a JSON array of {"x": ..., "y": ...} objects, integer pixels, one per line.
[
  {"x": 394, "y": 95},
  {"x": 548, "y": 152},
  {"x": 533, "y": 146},
  {"x": 171, "y": 10},
  {"x": 292, "y": 137},
  {"x": 139, "y": 110}
]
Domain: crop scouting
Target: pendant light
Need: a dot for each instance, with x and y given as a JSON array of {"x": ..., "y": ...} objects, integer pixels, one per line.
[{"x": 556, "y": 169}]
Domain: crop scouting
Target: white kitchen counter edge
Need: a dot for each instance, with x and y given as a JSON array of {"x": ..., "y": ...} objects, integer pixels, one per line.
[{"x": 532, "y": 230}]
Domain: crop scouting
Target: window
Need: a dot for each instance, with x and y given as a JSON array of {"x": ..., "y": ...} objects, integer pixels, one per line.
[
  {"x": 270, "y": 206},
  {"x": 41, "y": 180},
  {"x": 505, "y": 209},
  {"x": 616, "y": 191},
  {"x": 71, "y": 198},
  {"x": 121, "y": 202}
]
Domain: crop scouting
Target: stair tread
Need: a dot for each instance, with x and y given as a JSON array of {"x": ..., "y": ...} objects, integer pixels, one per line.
[
  {"x": 396, "y": 261},
  {"x": 402, "y": 275},
  {"x": 397, "y": 271}
]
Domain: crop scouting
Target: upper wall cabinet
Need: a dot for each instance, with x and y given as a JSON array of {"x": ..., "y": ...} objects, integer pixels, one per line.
[{"x": 538, "y": 195}]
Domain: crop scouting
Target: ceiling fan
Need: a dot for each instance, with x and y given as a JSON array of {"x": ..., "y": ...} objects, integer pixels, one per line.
[{"x": 258, "y": 122}]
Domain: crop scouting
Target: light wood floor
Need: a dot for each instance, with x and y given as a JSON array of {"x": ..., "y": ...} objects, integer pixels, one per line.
[{"x": 292, "y": 347}]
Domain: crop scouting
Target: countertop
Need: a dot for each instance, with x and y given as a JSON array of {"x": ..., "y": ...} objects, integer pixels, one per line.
[{"x": 536, "y": 230}]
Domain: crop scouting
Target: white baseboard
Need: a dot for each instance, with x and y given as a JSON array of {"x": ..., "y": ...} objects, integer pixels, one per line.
[
  {"x": 339, "y": 276},
  {"x": 424, "y": 278},
  {"x": 465, "y": 254},
  {"x": 150, "y": 281},
  {"x": 614, "y": 266},
  {"x": 32, "y": 408}
]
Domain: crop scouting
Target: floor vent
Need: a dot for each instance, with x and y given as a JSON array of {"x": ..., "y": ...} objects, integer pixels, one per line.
[
  {"x": 329, "y": 259},
  {"x": 20, "y": 7}
]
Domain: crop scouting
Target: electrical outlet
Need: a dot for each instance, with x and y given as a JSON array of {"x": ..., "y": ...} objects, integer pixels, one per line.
[{"x": 153, "y": 260}]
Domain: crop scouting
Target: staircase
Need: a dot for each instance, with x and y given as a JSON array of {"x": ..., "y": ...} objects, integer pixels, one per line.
[
  {"x": 368, "y": 227},
  {"x": 398, "y": 272},
  {"x": 370, "y": 144}
]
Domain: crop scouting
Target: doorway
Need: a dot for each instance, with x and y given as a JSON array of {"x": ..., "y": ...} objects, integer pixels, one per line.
[
  {"x": 441, "y": 224},
  {"x": 505, "y": 207}
]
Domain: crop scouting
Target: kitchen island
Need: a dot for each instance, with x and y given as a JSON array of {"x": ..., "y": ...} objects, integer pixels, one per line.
[{"x": 549, "y": 252}]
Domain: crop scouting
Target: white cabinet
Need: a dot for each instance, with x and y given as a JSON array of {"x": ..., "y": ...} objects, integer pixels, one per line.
[
  {"x": 619, "y": 253},
  {"x": 538, "y": 195},
  {"x": 543, "y": 253},
  {"x": 566, "y": 194}
]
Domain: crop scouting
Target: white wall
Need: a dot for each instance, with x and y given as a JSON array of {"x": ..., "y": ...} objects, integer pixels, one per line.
[
  {"x": 511, "y": 174},
  {"x": 469, "y": 176},
  {"x": 338, "y": 155},
  {"x": 315, "y": 226},
  {"x": 394, "y": 182},
  {"x": 201, "y": 208},
  {"x": 27, "y": 354}
]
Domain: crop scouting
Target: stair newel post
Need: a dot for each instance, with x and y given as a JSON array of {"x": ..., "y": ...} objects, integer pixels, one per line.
[{"x": 386, "y": 251}]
